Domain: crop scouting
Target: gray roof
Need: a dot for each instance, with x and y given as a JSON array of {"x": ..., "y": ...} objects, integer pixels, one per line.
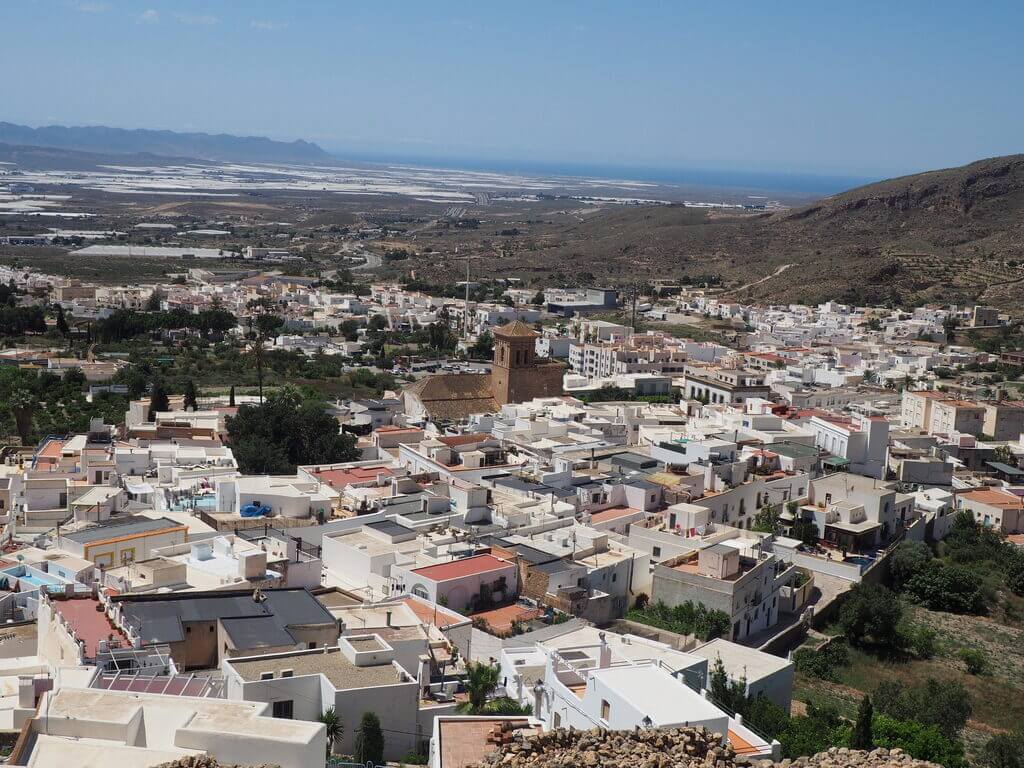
[
  {"x": 125, "y": 526},
  {"x": 389, "y": 527},
  {"x": 248, "y": 623},
  {"x": 532, "y": 554},
  {"x": 553, "y": 566}
]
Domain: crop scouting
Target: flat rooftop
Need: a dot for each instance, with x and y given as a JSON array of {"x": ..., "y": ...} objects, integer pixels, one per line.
[
  {"x": 117, "y": 528},
  {"x": 330, "y": 662}
]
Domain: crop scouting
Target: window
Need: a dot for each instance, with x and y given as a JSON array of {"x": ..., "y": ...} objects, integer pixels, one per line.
[
  {"x": 615, "y": 576},
  {"x": 656, "y": 552},
  {"x": 420, "y": 591},
  {"x": 557, "y": 720},
  {"x": 606, "y": 709},
  {"x": 284, "y": 709}
]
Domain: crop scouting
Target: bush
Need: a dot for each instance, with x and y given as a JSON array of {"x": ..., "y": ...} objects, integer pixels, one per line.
[
  {"x": 946, "y": 705},
  {"x": 1004, "y": 750},
  {"x": 824, "y": 664},
  {"x": 871, "y": 613},
  {"x": 951, "y": 588},
  {"x": 819, "y": 730},
  {"x": 907, "y": 560},
  {"x": 924, "y": 742},
  {"x": 974, "y": 660},
  {"x": 685, "y": 619},
  {"x": 921, "y": 640}
]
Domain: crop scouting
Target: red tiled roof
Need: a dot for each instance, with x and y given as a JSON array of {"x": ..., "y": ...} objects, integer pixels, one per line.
[
  {"x": 612, "y": 513},
  {"x": 339, "y": 478},
  {"x": 467, "y": 566},
  {"x": 995, "y": 498},
  {"x": 439, "y": 616},
  {"x": 89, "y": 624}
]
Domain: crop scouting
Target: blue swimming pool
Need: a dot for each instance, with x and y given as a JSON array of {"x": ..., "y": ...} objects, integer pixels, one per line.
[
  {"x": 204, "y": 503},
  {"x": 25, "y": 576}
]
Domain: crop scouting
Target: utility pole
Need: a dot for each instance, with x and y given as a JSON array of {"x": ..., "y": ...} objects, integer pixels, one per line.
[{"x": 633, "y": 320}]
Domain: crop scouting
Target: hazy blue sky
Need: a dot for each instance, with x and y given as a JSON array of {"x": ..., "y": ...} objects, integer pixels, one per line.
[{"x": 859, "y": 88}]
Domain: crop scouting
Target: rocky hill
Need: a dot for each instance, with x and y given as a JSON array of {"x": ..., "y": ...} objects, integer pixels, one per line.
[
  {"x": 665, "y": 748},
  {"x": 954, "y": 235}
]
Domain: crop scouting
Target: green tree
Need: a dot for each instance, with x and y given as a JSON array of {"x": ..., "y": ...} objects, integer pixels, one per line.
[
  {"x": 1004, "y": 750},
  {"x": 286, "y": 431},
  {"x": 861, "y": 736},
  {"x": 944, "y": 704},
  {"x": 924, "y": 742},
  {"x": 1004, "y": 455},
  {"x": 483, "y": 347},
  {"x": 767, "y": 519},
  {"x": 190, "y": 402},
  {"x": 62, "y": 322},
  {"x": 158, "y": 399},
  {"x": 481, "y": 680},
  {"x": 370, "y": 740},
  {"x": 730, "y": 693},
  {"x": 333, "y": 728},
  {"x": 871, "y": 614},
  {"x": 907, "y": 560}
]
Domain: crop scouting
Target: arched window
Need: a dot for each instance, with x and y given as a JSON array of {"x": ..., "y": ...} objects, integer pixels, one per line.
[{"x": 421, "y": 592}]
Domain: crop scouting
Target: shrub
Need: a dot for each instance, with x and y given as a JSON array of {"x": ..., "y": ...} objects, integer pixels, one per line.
[
  {"x": 685, "y": 619},
  {"x": 871, "y": 613},
  {"x": 946, "y": 705},
  {"x": 907, "y": 560},
  {"x": 974, "y": 660},
  {"x": 924, "y": 742},
  {"x": 1004, "y": 750},
  {"x": 920, "y": 640},
  {"x": 951, "y": 588},
  {"x": 825, "y": 663}
]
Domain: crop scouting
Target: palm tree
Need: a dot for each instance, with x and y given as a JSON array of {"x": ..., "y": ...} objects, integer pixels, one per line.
[
  {"x": 334, "y": 728},
  {"x": 481, "y": 680}
]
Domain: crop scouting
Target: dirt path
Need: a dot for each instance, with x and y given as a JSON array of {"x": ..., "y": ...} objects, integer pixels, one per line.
[{"x": 764, "y": 279}]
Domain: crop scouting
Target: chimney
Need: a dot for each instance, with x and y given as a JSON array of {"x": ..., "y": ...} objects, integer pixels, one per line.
[{"x": 605, "y": 658}]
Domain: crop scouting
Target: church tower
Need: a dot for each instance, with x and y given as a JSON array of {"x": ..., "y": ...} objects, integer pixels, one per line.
[{"x": 514, "y": 371}]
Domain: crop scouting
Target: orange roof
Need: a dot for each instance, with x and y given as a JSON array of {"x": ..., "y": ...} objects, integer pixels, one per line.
[
  {"x": 612, "y": 513},
  {"x": 994, "y": 498},
  {"x": 438, "y": 615},
  {"x": 516, "y": 328},
  {"x": 52, "y": 449},
  {"x": 89, "y": 625},
  {"x": 340, "y": 478},
  {"x": 467, "y": 566}
]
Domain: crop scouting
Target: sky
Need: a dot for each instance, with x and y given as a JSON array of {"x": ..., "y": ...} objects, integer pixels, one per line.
[{"x": 866, "y": 89}]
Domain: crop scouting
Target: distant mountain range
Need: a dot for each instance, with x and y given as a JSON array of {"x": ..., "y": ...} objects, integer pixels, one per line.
[{"x": 221, "y": 147}]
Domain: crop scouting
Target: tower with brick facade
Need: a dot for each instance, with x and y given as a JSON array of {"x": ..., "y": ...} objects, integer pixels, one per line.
[{"x": 516, "y": 374}]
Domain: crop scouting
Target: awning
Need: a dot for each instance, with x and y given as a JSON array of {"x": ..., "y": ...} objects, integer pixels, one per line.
[
  {"x": 836, "y": 462},
  {"x": 141, "y": 489}
]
